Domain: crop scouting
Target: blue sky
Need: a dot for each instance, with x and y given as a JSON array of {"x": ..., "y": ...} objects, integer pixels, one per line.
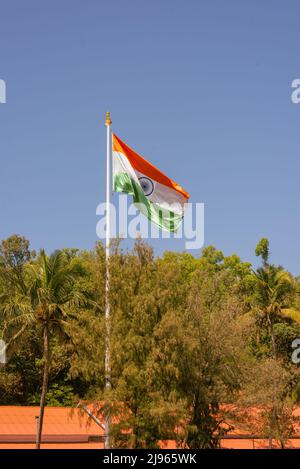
[{"x": 202, "y": 89}]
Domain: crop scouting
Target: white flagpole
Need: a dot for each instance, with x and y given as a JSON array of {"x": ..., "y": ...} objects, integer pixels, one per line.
[{"x": 108, "y": 123}]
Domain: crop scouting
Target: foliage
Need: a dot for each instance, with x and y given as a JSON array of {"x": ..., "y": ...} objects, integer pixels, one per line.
[
  {"x": 188, "y": 335},
  {"x": 58, "y": 395}
]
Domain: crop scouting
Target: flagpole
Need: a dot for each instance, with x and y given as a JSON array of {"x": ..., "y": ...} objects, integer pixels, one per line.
[{"x": 108, "y": 123}]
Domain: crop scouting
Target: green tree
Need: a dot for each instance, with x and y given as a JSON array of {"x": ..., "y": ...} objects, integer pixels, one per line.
[
  {"x": 50, "y": 294},
  {"x": 273, "y": 303},
  {"x": 274, "y": 292},
  {"x": 14, "y": 254},
  {"x": 198, "y": 351}
]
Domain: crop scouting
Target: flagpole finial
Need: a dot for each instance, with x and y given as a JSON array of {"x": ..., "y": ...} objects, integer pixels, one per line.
[{"x": 108, "y": 119}]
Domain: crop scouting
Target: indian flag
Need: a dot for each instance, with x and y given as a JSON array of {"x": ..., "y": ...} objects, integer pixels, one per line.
[{"x": 157, "y": 196}]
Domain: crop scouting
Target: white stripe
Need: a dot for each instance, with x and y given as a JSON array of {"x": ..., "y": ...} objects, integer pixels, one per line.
[{"x": 122, "y": 165}]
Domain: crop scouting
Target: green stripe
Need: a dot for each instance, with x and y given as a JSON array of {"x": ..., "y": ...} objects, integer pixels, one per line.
[{"x": 165, "y": 219}]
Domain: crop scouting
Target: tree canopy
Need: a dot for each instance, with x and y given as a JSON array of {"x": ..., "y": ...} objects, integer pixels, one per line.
[{"x": 188, "y": 334}]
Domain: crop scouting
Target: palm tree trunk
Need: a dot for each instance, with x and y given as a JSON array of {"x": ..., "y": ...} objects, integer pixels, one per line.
[
  {"x": 273, "y": 423},
  {"x": 274, "y": 355},
  {"x": 273, "y": 341},
  {"x": 45, "y": 385}
]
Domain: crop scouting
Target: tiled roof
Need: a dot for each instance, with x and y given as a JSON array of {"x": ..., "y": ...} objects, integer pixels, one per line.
[
  {"x": 71, "y": 428},
  {"x": 63, "y": 427}
]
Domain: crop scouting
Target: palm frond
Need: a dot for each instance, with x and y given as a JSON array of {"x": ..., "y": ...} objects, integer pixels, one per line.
[{"x": 291, "y": 314}]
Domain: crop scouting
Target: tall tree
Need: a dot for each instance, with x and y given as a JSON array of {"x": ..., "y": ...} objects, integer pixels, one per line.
[
  {"x": 273, "y": 300},
  {"x": 274, "y": 292},
  {"x": 49, "y": 291}
]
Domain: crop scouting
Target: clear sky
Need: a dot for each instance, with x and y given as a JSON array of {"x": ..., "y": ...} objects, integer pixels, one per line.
[{"x": 200, "y": 88}]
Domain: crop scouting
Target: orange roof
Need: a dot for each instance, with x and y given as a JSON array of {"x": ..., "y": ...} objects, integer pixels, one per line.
[
  {"x": 71, "y": 428},
  {"x": 52, "y": 446},
  {"x": 63, "y": 428}
]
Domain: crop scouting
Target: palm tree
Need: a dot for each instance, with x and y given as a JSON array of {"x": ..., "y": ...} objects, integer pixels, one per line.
[
  {"x": 51, "y": 292},
  {"x": 275, "y": 290}
]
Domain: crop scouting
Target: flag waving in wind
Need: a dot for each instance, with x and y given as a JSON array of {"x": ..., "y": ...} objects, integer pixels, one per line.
[{"x": 159, "y": 198}]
